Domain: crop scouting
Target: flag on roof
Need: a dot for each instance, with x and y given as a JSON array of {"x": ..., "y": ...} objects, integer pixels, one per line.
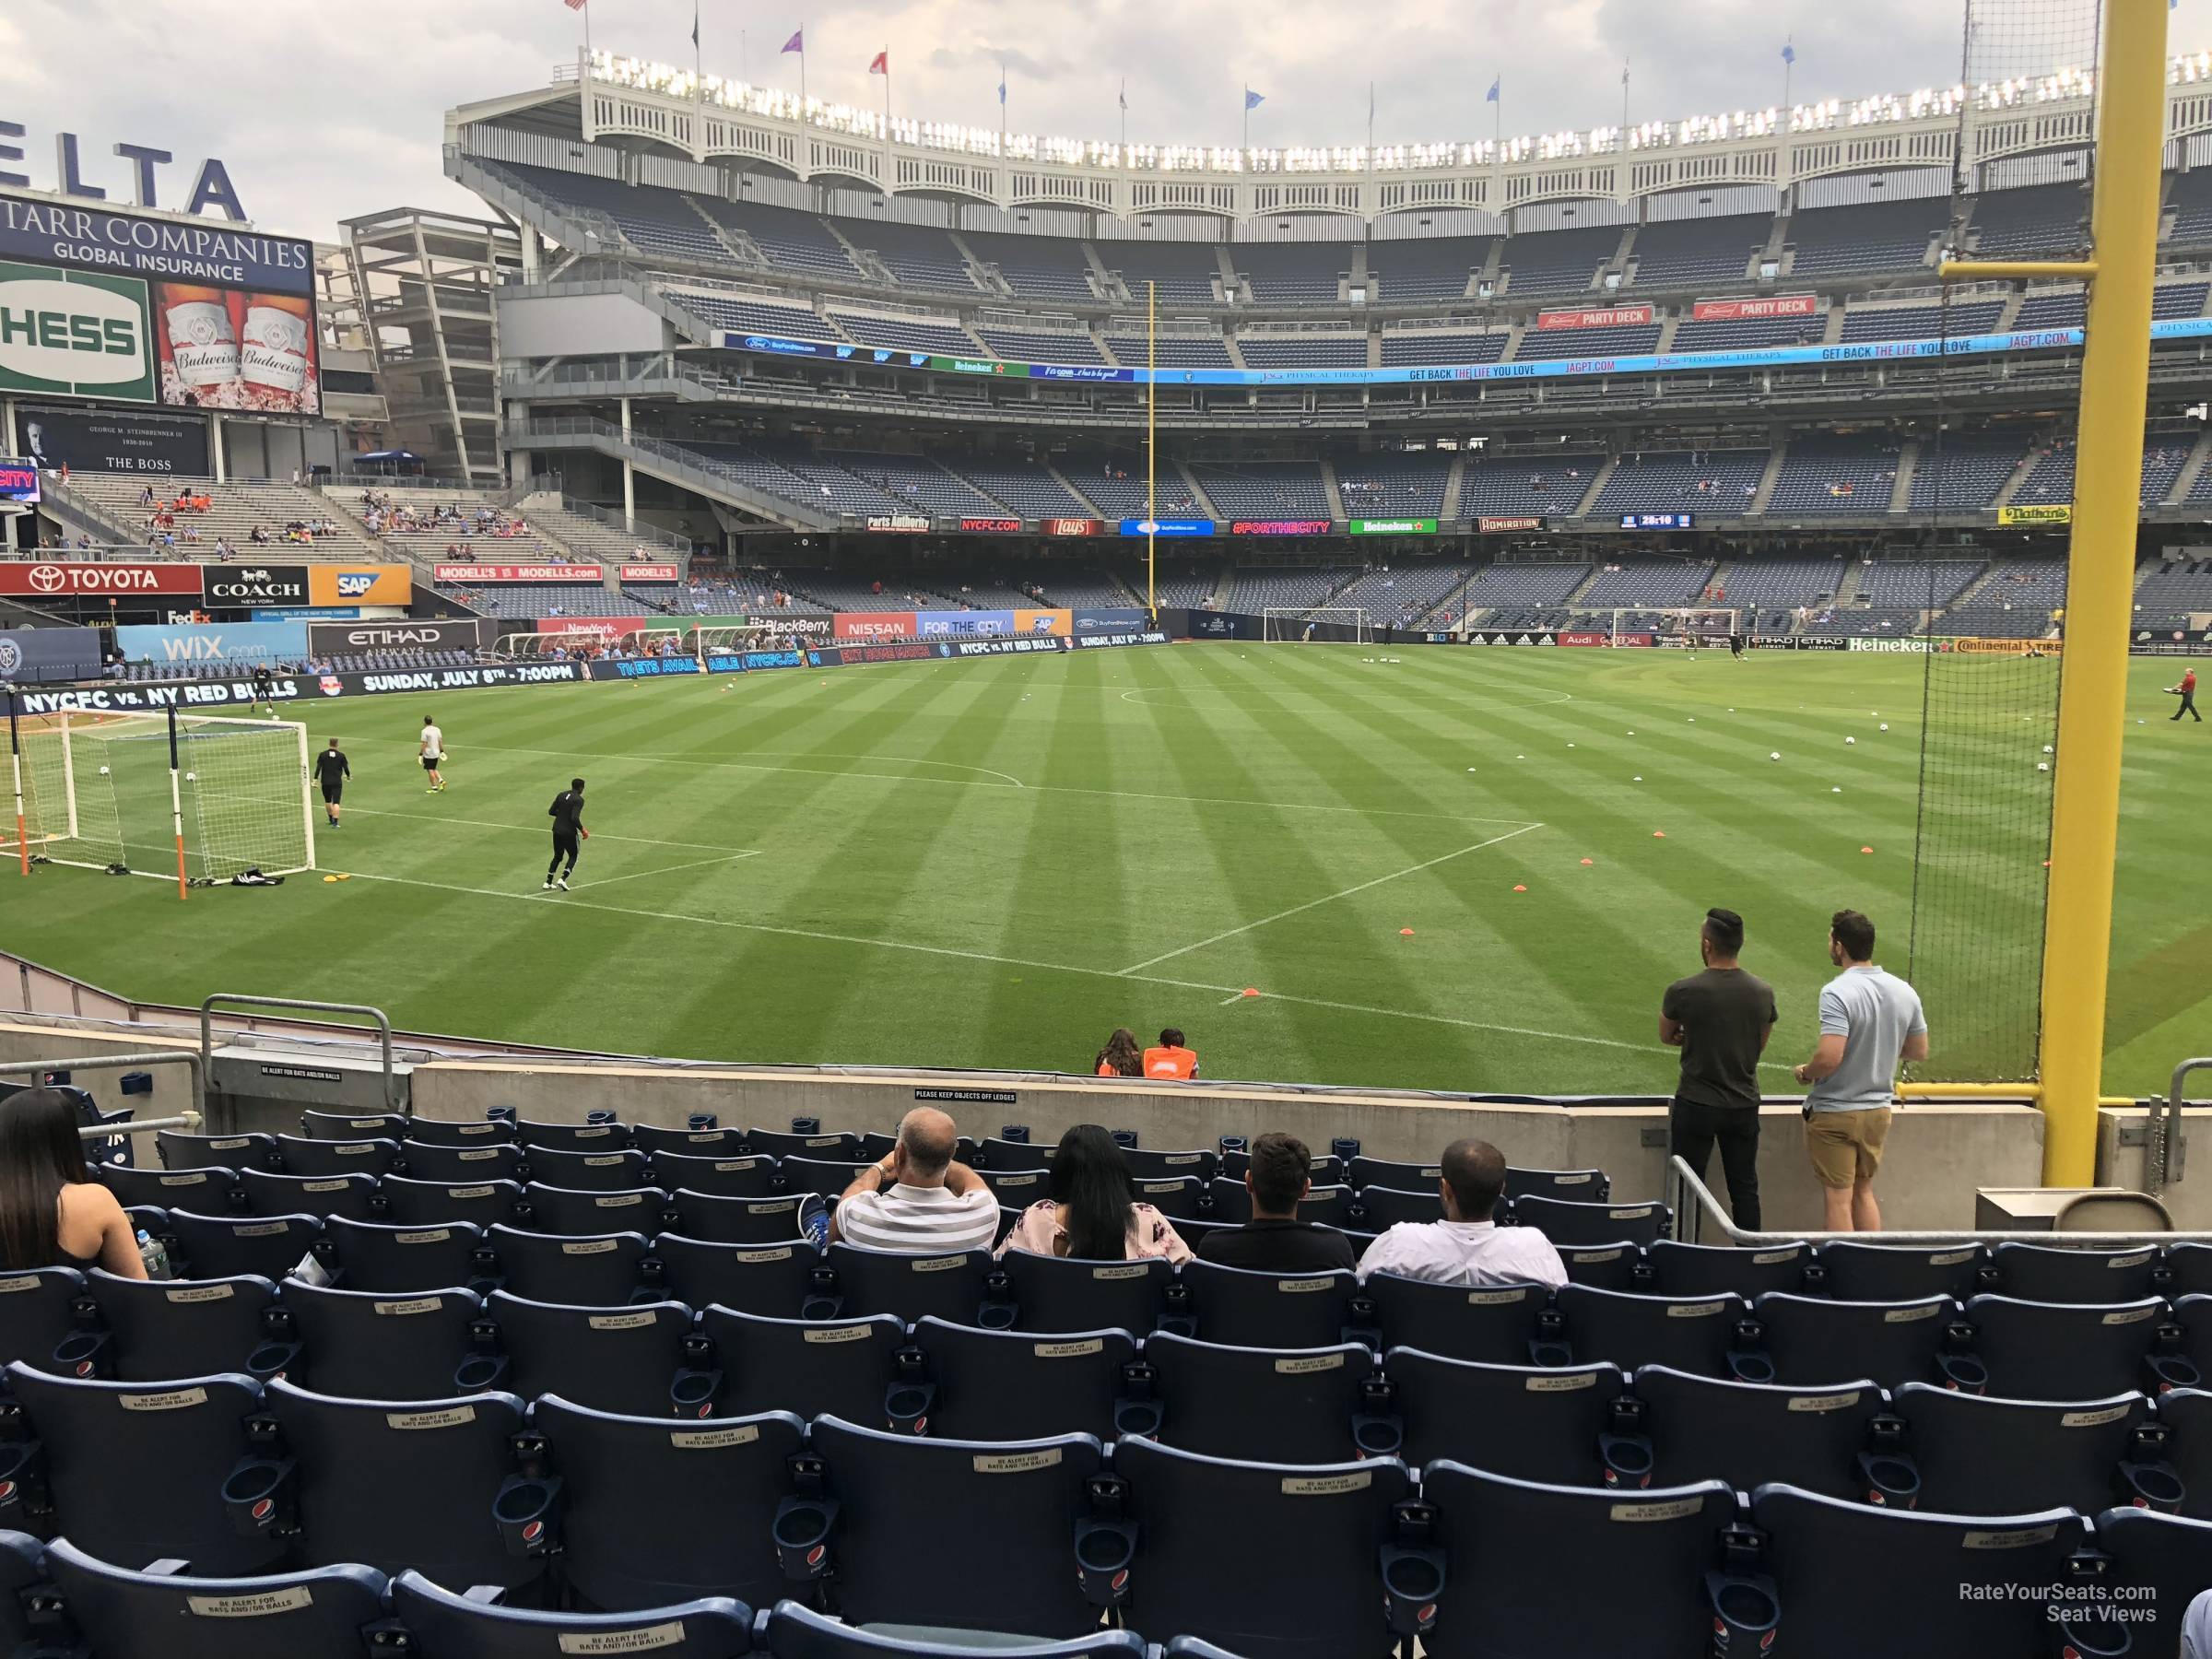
[
  {"x": 1252, "y": 100},
  {"x": 575, "y": 4},
  {"x": 881, "y": 63},
  {"x": 1789, "y": 51},
  {"x": 1491, "y": 96},
  {"x": 797, "y": 41}
]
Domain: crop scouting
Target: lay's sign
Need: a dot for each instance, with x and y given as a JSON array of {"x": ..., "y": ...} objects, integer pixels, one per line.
[
  {"x": 75, "y": 333},
  {"x": 334, "y": 583}
]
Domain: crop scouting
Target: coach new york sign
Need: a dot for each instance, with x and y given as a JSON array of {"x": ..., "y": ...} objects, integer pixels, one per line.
[{"x": 76, "y": 334}]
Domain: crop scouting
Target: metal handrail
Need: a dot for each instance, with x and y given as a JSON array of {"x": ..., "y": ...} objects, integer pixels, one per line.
[
  {"x": 236, "y": 1000},
  {"x": 1695, "y": 1210},
  {"x": 2162, "y": 1158},
  {"x": 196, "y": 1064}
]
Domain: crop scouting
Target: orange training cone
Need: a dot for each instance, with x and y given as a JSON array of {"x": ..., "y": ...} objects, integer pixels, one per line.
[
  {"x": 1658, "y": 835},
  {"x": 1520, "y": 889},
  {"x": 1866, "y": 849},
  {"x": 1252, "y": 990},
  {"x": 1405, "y": 933},
  {"x": 1589, "y": 861}
]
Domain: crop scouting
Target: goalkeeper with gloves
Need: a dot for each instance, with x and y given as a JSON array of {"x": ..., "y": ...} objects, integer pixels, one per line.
[{"x": 569, "y": 833}]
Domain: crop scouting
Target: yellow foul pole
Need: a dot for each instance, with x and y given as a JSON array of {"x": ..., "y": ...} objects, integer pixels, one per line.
[
  {"x": 2115, "y": 370},
  {"x": 1151, "y": 451}
]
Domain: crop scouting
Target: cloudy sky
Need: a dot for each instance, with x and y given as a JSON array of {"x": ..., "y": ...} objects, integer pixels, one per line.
[{"x": 323, "y": 109}]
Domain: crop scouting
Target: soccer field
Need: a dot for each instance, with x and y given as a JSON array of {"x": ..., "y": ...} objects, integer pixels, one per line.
[{"x": 993, "y": 863}]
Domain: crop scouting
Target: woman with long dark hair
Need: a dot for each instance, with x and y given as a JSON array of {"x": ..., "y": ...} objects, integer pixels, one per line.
[
  {"x": 52, "y": 1213},
  {"x": 1092, "y": 1214},
  {"x": 1120, "y": 1057}
]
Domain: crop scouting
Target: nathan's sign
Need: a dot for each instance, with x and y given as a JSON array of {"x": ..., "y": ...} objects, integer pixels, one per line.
[
  {"x": 2050, "y": 512},
  {"x": 1747, "y": 311},
  {"x": 469, "y": 574},
  {"x": 1607, "y": 316},
  {"x": 97, "y": 581}
]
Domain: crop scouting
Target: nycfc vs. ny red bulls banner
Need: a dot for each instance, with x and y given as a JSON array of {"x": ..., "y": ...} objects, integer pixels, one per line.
[
  {"x": 1610, "y": 316},
  {"x": 1771, "y": 305},
  {"x": 101, "y": 580}
]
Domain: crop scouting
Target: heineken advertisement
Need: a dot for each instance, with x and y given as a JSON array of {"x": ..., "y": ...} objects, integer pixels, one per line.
[{"x": 1406, "y": 526}]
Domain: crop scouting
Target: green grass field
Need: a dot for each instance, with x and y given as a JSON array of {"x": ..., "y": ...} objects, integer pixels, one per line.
[{"x": 993, "y": 863}]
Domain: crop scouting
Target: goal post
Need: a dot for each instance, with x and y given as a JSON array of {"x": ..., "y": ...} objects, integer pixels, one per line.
[
  {"x": 1278, "y": 623},
  {"x": 199, "y": 798}
]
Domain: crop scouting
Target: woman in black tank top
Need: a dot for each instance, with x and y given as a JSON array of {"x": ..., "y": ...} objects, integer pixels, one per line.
[{"x": 47, "y": 1203}]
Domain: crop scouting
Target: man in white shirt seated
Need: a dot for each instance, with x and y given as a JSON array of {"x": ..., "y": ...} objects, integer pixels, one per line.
[
  {"x": 918, "y": 1201},
  {"x": 1466, "y": 1247}
]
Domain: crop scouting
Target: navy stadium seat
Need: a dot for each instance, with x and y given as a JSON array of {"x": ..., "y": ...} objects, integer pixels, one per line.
[
  {"x": 1577, "y": 1186},
  {"x": 366, "y": 1255},
  {"x": 366, "y": 1347},
  {"x": 206, "y": 1190},
  {"x": 1381, "y": 1207},
  {"x": 1893, "y": 1272},
  {"x": 1323, "y": 1206},
  {"x": 165, "y": 1328},
  {"x": 1707, "y": 1269},
  {"x": 179, "y": 1150},
  {"x": 2066, "y": 1351},
  {"x": 1746, "y": 1434},
  {"x": 2187, "y": 1412},
  {"x": 604, "y": 1272},
  {"x": 134, "y": 1472},
  {"x": 770, "y": 1279},
  {"x": 1638, "y": 1585},
  {"x": 353, "y": 1196},
  {"x": 1998, "y": 1457},
  {"x": 609, "y": 1169},
  {"x": 587, "y": 1215},
  {"x": 327, "y": 1613},
  {"x": 2164, "y": 1555},
  {"x": 620, "y": 1360},
  {"x": 37, "y": 1312},
  {"x": 446, "y": 1626},
  {"x": 950, "y": 1284},
  {"x": 1241, "y": 1308},
  {"x": 420, "y": 1485},
  {"x": 655, "y": 1512},
  {"x": 2044, "y": 1274},
  {"x": 1363, "y": 1172},
  {"x": 1317, "y": 1528},
  {"x": 1543, "y": 1425},
  {"x": 1062, "y": 1293},
  {"x": 225, "y": 1246},
  {"x": 837, "y": 1147},
  {"x": 875, "y": 1146},
  {"x": 2194, "y": 1315},
  {"x": 409, "y": 1203},
  {"x": 1323, "y": 1169},
  {"x": 1932, "y": 1584},
  {"x": 1146, "y": 1165},
  {"x": 1491, "y": 1323},
  {"x": 2191, "y": 1265},
  {"x": 354, "y": 1126},
  {"x": 22, "y": 1569},
  {"x": 655, "y": 1138},
  {"x": 1691, "y": 1333},
  {"x": 799, "y": 1632},
  {"x": 959, "y": 1534},
  {"x": 999, "y": 1154},
  {"x": 1809, "y": 1340},
  {"x": 741, "y": 1220},
  {"x": 1266, "y": 1404},
  {"x": 1178, "y": 1197},
  {"x": 460, "y": 1132},
  {"x": 808, "y": 1368},
  {"x": 1019, "y": 1385},
  {"x": 304, "y": 1155},
  {"x": 730, "y": 1177},
  {"x": 570, "y": 1138},
  {"x": 821, "y": 1177},
  {"x": 1603, "y": 1267},
  {"x": 1565, "y": 1221},
  {"x": 472, "y": 1165},
  {"x": 1016, "y": 1189}
]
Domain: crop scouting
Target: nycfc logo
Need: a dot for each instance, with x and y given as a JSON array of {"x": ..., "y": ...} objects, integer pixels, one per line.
[
  {"x": 11, "y": 656},
  {"x": 48, "y": 578}
]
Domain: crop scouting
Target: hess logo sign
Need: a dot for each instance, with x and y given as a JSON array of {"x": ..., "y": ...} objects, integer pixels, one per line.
[{"x": 70, "y": 333}]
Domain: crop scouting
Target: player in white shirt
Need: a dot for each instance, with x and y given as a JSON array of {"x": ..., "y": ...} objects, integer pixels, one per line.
[
  {"x": 433, "y": 753},
  {"x": 1466, "y": 1247}
]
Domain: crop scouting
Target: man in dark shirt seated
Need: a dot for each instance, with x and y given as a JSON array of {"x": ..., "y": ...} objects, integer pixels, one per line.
[{"x": 1275, "y": 1239}]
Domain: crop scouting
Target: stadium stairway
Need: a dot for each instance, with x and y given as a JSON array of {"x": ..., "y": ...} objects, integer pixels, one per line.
[
  {"x": 1598, "y": 480},
  {"x": 1329, "y": 489},
  {"x": 1068, "y": 483},
  {"x": 1908, "y": 463},
  {"x": 234, "y": 508},
  {"x": 1190, "y": 482},
  {"x": 2192, "y": 468},
  {"x": 427, "y": 546},
  {"x": 1455, "y": 481},
  {"x": 1767, "y": 479}
]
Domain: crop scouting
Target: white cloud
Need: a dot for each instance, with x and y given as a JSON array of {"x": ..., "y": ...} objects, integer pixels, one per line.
[{"x": 325, "y": 110}]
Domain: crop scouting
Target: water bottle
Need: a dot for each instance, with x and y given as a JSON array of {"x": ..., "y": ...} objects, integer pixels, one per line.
[{"x": 154, "y": 1253}]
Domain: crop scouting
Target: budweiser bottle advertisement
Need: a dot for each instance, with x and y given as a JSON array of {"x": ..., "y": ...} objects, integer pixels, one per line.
[
  {"x": 275, "y": 352},
  {"x": 201, "y": 334}
]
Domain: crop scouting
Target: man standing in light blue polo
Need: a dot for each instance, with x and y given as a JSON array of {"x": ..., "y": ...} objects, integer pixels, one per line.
[{"x": 1870, "y": 1022}]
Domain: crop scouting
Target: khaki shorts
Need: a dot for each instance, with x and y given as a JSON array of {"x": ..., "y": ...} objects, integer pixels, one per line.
[{"x": 1846, "y": 1146}]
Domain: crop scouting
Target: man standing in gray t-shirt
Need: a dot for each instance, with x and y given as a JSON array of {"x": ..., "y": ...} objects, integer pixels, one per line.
[{"x": 1870, "y": 1022}]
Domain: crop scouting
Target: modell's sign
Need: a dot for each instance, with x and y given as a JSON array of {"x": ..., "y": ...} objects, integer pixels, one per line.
[
  {"x": 466, "y": 574},
  {"x": 1071, "y": 526},
  {"x": 98, "y": 581},
  {"x": 1609, "y": 316},
  {"x": 991, "y": 526},
  {"x": 650, "y": 572},
  {"x": 898, "y": 523},
  {"x": 1745, "y": 311}
]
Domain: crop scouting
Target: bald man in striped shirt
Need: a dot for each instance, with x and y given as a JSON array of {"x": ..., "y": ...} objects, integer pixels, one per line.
[{"x": 918, "y": 1201}]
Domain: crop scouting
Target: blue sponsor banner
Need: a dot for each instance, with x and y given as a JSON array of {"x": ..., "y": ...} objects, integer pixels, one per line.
[
  {"x": 772, "y": 659},
  {"x": 242, "y": 642},
  {"x": 964, "y": 625},
  {"x": 1108, "y": 621},
  {"x": 310, "y": 613},
  {"x": 1169, "y": 527},
  {"x": 654, "y": 667},
  {"x": 53, "y": 232}
]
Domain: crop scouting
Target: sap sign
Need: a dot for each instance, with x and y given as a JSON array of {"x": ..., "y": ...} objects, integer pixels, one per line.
[
  {"x": 77, "y": 333},
  {"x": 245, "y": 643},
  {"x": 211, "y": 186}
]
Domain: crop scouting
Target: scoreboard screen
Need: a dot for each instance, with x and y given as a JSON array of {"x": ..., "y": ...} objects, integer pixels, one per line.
[{"x": 1658, "y": 521}]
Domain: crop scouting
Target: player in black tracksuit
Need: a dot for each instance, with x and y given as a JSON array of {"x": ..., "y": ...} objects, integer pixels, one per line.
[
  {"x": 331, "y": 772},
  {"x": 265, "y": 690},
  {"x": 569, "y": 833}
]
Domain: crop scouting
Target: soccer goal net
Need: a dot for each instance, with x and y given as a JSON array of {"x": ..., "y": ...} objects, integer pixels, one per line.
[
  {"x": 1691, "y": 626},
  {"x": 1335, "y": 623},
  {"x": 172, "y": 795}
]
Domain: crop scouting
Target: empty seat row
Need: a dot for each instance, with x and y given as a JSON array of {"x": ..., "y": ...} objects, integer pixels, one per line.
[{"x": 1043, "y": 1538}]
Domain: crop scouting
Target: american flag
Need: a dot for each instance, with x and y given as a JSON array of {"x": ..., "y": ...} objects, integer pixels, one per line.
[{"x": 575, "y": 4}]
